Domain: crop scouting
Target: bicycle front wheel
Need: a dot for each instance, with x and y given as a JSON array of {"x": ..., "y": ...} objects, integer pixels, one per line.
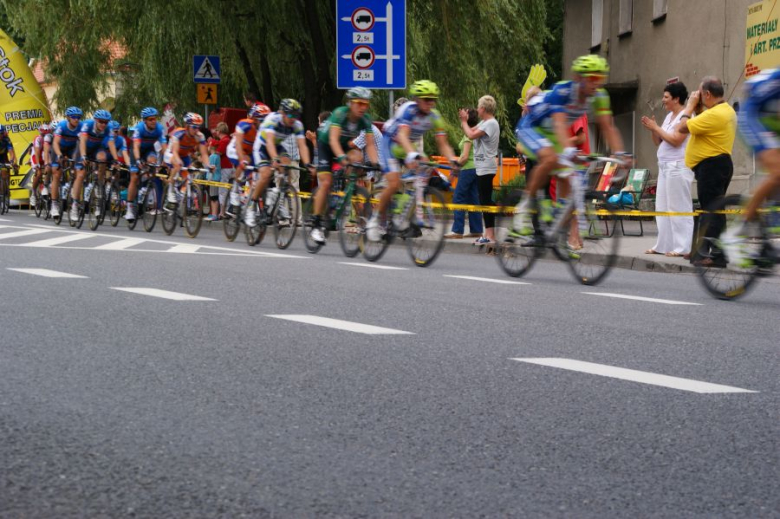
[
  {"x": 170, "y": 212},
  {"x": 308, "y": 223},
  {"x": 285, "y": 217},
  {"x": 193, "y": 211},
  {"x": 374, "y": 250},
  {"x": 427, "y": 226},
  {"x": 587, "y": 246},
  {"x": 352, "y": 223},
  {"x": 255, "y": 233},
  {"x": 94, "y": 208},
  {"x": 721, "y": 277},
  {"x": 3, "y": 196},
  {"x": 114, "y": 205},
  {"x": 148, "y": 208}
]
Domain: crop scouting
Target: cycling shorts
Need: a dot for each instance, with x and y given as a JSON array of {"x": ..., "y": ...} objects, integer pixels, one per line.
[
  {"x": 66, "y": 152},
  {"x": 168, "y": 159},
  {"x": 759, "y": 132},
  {"x": 262, "y": 158},
  {"x": 146, "y": 156},
  {"x": 533, "y": 139},
  {"x": 236, "y": 161},
  {"x": 325, "y": 158}
]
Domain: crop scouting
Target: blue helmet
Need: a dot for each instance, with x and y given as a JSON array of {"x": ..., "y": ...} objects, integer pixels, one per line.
[
  {"x": 114, "y": 126},
  {"x": 74, "y": 111},
  {"x": 102, "y": 114},
  {"x": 149, "y": 111}
]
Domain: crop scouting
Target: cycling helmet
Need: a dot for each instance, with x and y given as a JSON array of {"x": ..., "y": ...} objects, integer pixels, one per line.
[
  {"x": 44, "y": 129},
  {"x": 193, "y": 119},
  {"x": 74, "y": 111},
  {"x": 259, "y": 111},
  {"x": 424, "y": 88},
  {"x": 590, "y": 65},
  {"x": 102, "y": 114},
  {"x": 114, "y": 126},
  {"x": 290, "y": 107},
  {"x": 359, "y": 93},
  {"x": 149, "y": 111}
]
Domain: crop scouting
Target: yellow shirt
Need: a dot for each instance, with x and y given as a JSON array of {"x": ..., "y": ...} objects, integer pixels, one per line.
[{"x": 712, "y": 134}]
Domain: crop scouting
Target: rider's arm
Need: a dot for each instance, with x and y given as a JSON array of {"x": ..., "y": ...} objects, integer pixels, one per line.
[
  {"x": 83, "y": 144},
  {"x": 45, "y": 153},
  {"x": 204, "y": 155},
  {"x": 137, "y": 149},
  {"x": 56, "y": 144},
  {"x": 126, "y": 156},
  {"x": 112, "y": 150},
  {"x": 444, "y": 147},
  {"x": 270, "y": 146},
  {"x": 370, "y": 148},
  {"x": 334, "y": 136},
  {"x": 303, "y": 150},
  {"x": 402, "y": 138},
  {"x": 12, "y": 155},
  {"x": 561, "y": 127}
]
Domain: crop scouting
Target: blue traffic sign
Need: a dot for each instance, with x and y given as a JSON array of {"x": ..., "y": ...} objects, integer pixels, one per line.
[
  {"x": 371, "y": 44},
  {"x": 205, "y": 69}
]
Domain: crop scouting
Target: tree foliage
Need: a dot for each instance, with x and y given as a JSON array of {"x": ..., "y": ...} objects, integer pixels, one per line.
[{"x": 276, "y": 49}]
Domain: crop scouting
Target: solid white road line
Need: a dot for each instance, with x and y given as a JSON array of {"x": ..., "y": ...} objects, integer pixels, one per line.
[
  {"x": 640, "y": 298},
  {"x": 489, "y": 280},
  {"x": 644, "y": 377},
  {"x": 19, "y": 234},
  {"x": 165, "y": 294},
  {"x": 338, "y": 324},
  {"x": 51, "y": 242},
  {"x": 49, "y": 273},
  {"x": 372, "y": 266},
  {"x": 121, "y": 244}
]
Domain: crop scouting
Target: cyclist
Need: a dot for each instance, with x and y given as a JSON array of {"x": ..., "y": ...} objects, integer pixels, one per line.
[
  {"x": 759, "y": 125},
  {"x": 543, "y": 132},
  {"x": 406, "y": 128},
  {"x": 93, "y": 133},
  {"x": 115, "y": 143},
  {"x": 39, "y": 162},
  {"x": 179, "y": 153},
  {"x": 343, "y": 125},
  {"x": 64, "y": 144},
  {"x": 267, "y": 149},
  {"x": 146, "y": 135},
  {"x": 241, "y": 155}
]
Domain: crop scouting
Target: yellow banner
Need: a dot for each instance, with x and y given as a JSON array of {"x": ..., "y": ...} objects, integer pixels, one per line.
[
  {"x": 762, "y": 43},
  {"x": 23, "y": 106}
]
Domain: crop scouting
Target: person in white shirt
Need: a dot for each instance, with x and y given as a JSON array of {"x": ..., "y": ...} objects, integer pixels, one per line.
[{"x": 673, "y": 192}]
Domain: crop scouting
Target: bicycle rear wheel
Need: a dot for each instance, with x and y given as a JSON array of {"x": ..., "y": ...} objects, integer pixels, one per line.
[
  {"x": 352, "y": 223},
  {"x": 94, "y": 208},
  {"x": 40, "y": 203},
  {"x": 515, "y": 254},
  {"x": 374, "y": 250},
  {"x": 148, "y": 208},
  {"x": 308, "y": 223},
  {"x": 114, "y": 205},
  {"x": 285, "y": 216},
  {"x": 255, "y": 233},
  {"x": 425, "y": 235},
  {"x": 722, "y": 278},
  {"x": 4, "y": 203},
  {"x": 590, "y": 264},
  {"x": 169, "y": 214},
  {"x": 193, "y": 211},
  {"x": 231, "y": 225}
]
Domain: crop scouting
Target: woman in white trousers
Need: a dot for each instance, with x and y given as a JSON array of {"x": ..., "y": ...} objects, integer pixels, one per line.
[{"x": 673, "y": 192}]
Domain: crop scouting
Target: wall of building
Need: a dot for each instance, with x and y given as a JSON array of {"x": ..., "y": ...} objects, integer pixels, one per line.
[{"x": 697, "y": 38}]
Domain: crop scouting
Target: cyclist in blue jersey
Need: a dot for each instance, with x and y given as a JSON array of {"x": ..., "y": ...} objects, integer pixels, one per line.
[
  {"x": 64, "y": 144},
  {"x": 411, "y": 121},
  {"x": 7, "y": 153},
  {"x": 115, "y": 143},
  {"x": 759, "y": 126},
  {"x": 542, "y": 133},
  {"x": 146, "y": 135},
  {"x": 91, "y": 136},
  {"x": 268, "y": 149}
]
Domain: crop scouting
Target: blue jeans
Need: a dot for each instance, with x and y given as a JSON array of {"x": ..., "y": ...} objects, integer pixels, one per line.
[{"x": 466, "y": 193}]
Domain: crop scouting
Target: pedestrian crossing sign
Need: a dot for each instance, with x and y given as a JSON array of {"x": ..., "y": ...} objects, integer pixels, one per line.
[
  {"x": 206, "y": 69},
  {"x": 207, "y": 94}
]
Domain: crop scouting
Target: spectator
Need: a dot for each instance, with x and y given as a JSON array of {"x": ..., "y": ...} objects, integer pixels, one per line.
[
  {"x": 708, "y": 154},
  {"x": 673, "y": 192},
  {"x": 485, "y": 137},
  {"x": 249, "y": 99},
  {"x": 215, "y": 176},
  {"x": 467, "y": 192},
  {"x": 226, "y": 167}
]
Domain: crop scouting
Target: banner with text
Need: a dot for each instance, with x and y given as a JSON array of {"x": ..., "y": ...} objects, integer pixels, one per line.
[{"x": 762, "y": 43}]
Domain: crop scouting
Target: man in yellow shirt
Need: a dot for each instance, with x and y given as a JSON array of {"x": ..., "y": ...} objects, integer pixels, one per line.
[{"x": 708, "y": 152}]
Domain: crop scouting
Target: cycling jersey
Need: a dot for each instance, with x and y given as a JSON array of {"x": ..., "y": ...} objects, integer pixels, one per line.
[
  {"x": 69, "y": 137},
  {"x": 36, "y": 157},
  {"x": 273, "y": 127},
  {"x": 187, "y": 143},
  {"x": 5, "y": 145},
  {"x": 349, "y": 129},
  {"x": 94, "y": 138},
  {"x": 246, "y": 132},
  {"x": 759, "y": 122},
  {"x": 148, "y": 138},
  {"x": 119, "y": 143},
  {"x": 408, "y": 115}
]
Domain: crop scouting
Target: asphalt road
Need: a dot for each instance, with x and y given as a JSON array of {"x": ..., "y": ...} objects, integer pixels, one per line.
[{"x": 123, "y": 404}]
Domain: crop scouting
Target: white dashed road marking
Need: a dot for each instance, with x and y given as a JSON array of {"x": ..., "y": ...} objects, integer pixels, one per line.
[
  {"x": 121, "y": 244},
  {"x": 644, "y": 377},
  {"x": 52, "y": 242},
  {"x": 489, "y": 280},
  {"x": 165, "y": 294},
  {"x": 49, "y": 273},
  {"x": 19, "y": 234},
  {"x": 338, "y": 324},
  {"x": 372, "y": 266},
  {"x": 640, "y": 298}
]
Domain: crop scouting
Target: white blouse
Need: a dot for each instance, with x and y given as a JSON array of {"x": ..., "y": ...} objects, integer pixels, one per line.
[{"x": 667, "y": 152}]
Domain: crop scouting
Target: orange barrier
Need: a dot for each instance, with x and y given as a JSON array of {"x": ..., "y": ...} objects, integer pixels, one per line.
[{"x": 508, "y": 171}]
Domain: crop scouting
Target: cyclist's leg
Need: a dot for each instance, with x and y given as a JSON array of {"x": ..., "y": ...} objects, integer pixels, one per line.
[
  {"x": 174, "y": 166},
  {"x": 79, "y": 173},
  {"x": 770, "y": 162},
  {"x": 324, "y": 179}
]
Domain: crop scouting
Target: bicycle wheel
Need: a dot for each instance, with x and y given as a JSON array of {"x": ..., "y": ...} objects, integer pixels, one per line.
[
  {"x": 425, "y": 235},
  {"x": 374, "y": 250},
  {"x": 590, "y": 264},
  {"x": 256, "y": 233},
  {"x": 114, "y": 205},
  {"x": 308, "y": 224},
  {"x": 3, "y": 196},
  {"x": 169, "y": 213},
  {"x": 231, "y": 225},
  {"x": 40, "y": 203},
  {"x": 95, "y": 208},
  {"x": 46, "y": 209},
  {"x": 193, "y": 211},
  {"x": 352, "y": 223},
  {"x": 515, "y": 254},
  {"x": 285, "y": 216},
  {"x": 722, "y": 278},
  {"x": 148, "y": 208}
]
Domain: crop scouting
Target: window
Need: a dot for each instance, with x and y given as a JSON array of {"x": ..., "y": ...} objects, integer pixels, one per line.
[
  {"x": 659, "y": 10},
  {"x": 597, "y": 21},
  {"x": 626, "y": 17}
]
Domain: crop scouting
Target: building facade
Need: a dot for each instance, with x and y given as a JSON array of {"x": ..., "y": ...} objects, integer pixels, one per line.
[{"x": 651, "y": 42}]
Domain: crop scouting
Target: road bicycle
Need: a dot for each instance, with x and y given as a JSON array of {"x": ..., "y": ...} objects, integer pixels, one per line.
[
  {"x": 66, "y": 166},
  {"x": 721, "y": 277},
  {"x": 417, "y": 215},
  {"x": 589, "y": 262},
  {"x": 146, "y": 206},
  {"x": 91, "y": 200},
  {"x": 189, "y": 205},
  {"x": 231, "y": 223},
  {"x": 280, "y": 208},
  {"x": 42, "y": 206},
  {"x": 348, "y": 211},
  {"x": 113, "y": 204},
  {"x": 5, "y": 186}
]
